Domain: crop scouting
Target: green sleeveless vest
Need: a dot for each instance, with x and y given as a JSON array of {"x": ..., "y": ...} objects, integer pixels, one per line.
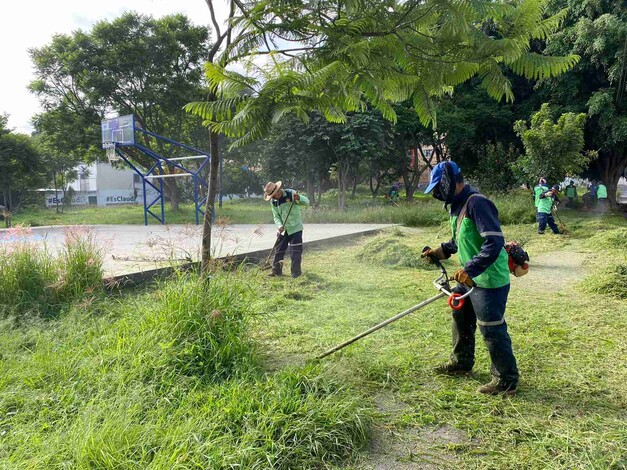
[{"x": 469, "y": 243}]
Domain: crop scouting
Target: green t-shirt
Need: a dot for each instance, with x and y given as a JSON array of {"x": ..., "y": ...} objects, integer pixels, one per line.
[
  {"x": 539, "y": 190},
  {"x": 601, "y": 192},
  {"x": 281, "y": 209}
]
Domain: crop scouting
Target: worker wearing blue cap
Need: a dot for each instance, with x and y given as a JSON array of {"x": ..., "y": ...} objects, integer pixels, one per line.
[{"x": 479, "y": 244}]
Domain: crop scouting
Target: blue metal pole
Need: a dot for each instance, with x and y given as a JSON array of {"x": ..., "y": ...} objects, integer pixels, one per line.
[
  {"x": 162, "y": 197},
  {"x": 170, "y": 141}
]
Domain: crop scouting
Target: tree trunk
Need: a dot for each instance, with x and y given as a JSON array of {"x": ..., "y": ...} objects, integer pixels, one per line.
[
  {"x": 611, "y": 168},
  {"x": 408, "y": 181},
  {"x": 214, "y": 142},
  {"x": 342, "y": 180},
  {"x": 354, "y": 191},
  {"x": 311, "y": 191},
  {"x": 319, "y": 190},
  {"x": 172, "y": 190}
]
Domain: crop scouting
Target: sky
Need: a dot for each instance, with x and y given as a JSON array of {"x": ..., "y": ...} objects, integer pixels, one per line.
[{"x": 32, "y": 23}]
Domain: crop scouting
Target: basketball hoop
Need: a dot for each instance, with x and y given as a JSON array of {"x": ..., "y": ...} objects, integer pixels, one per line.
[{"x": 112, "y": 156}]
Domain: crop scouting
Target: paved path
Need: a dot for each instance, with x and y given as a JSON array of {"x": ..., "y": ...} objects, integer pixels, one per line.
[{"x": 135, "y": 248}]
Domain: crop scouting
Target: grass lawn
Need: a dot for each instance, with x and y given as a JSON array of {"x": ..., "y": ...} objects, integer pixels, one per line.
[
  {"x": 155, "y": 378},
  {"x": 515, "y": 207},
  {"x": 570, "y": 345},
  {"x": 250, "y": 212}
]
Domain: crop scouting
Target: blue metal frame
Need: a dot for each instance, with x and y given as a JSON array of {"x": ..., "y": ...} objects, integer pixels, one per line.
[{"x": 159, "y": 160}]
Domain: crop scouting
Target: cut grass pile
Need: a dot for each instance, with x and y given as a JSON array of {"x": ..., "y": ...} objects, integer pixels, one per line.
[
  {"x": 166, "y": 378},
  {"x": 609, "y": 239},
  {"x": 390, "y": 249},
  {"x": 612, "y": 281}
]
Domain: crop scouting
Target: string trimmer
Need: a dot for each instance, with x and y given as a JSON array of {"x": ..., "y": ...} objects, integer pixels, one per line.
[
  {"x": 267, "y": 264},
  {"x": 442, "y": 284}
]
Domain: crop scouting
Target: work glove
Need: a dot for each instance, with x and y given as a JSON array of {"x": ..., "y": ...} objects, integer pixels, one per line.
[
  {"x": 296, "y": 197},
  {"x": 462, "y": 277},
  {"x": 281, "y": 229},
  {"x": 429, "y": 253}
]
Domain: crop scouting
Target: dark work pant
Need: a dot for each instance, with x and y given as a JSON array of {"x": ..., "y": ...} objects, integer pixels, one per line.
[
  {"x": 485, "y": 307},
  {"x": 295, "y": 241},
  {"x": 544, "y": 219}
]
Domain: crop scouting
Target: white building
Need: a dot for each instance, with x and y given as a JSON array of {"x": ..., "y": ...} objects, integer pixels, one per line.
[{"x": 101, "y": 184}]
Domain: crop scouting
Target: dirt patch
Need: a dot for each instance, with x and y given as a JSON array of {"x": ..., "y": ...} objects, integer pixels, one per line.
[
  {"x": 416, "y": 448},
  {"x": 553, "y": 271},
  {"x": 386, "y": 402}
]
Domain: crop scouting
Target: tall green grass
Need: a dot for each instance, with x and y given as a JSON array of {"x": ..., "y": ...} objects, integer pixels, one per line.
[
  {"x": 166, "y": 378},
  {"x": 34, "y": 280},
  {"x": 26, "y": 272}
]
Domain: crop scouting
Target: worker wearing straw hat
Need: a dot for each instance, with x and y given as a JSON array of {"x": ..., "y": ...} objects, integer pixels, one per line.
[{"x": 289, "y": 221}]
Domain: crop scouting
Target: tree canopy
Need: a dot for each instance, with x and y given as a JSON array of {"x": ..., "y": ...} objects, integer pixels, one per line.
[
  {"x": 21, "y": 166},
  {"x": 134, "y": 64},
  {"x": 350, "y": 54},
  {"x": 553, "y": 149}
]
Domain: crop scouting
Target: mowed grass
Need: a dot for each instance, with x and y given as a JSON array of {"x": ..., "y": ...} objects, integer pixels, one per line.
[
  {"x": 570, "y": 344},
  {"x": 515, "y": 208}
]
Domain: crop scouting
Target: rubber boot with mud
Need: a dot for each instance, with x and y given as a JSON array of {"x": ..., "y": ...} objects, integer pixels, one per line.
[
  {"x": 452, "y": 369},
  {"x": 495, "y": 387}
]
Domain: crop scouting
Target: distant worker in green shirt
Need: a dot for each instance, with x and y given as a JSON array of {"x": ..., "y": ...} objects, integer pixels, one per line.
[
  {"x": 289, "y": 221},
  {"x": 602, "y": 196},
  {"x": 545, "y": 207},
  {"x": 571, "y": 194},
  {"x": 539, "y": 189},
  {"x": 479, "y": 243}
]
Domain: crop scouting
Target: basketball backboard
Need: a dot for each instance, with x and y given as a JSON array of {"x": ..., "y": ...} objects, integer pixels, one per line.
[{"x": 119, "y": 130}]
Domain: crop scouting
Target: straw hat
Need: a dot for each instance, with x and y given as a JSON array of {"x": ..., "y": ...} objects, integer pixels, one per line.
[{"x": 272, "y": 189}]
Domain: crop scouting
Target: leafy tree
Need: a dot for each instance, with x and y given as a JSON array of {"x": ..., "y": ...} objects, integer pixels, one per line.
[
  {"x": 295, "y": 153},
  {"x": 21, "y": 166},
  {"x": 239, "y": 180},
  {"x": 553, "y": 149},
  {"x": 350, "y": 53},
  {"x": 132, "y": 64},
  {"x": 494, "y": 172},
  {"x": 597, "y": 31}
]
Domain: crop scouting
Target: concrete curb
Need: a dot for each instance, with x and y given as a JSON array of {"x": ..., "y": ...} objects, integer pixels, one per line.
[{"x": 254, "y": 257}]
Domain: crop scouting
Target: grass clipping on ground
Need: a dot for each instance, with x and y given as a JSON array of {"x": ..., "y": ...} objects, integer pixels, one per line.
[
  {"x": 609, "y": 240},
  {"x": 611, "y": 282},
  {"x": 612, "y": 279},
  {"x": 391, "y": 249}
]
